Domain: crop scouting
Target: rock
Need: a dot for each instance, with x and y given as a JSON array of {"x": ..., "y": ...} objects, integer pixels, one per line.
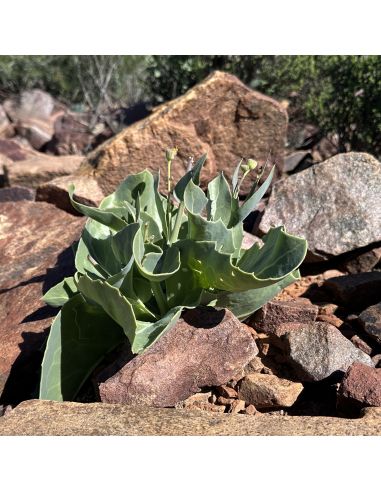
[
  {"x": 87, "y": 191},
  {"x": 318, "y": 350},
  {"x": 275, "y": 313},
  {"x": 361, "y": 344},
  {"x": 268, "y": 391},
  {"x": 35, "y": 254},
  {"x": 205, "y": 348},
  {"x": 38, "y": 417},
  {"x": 335, "y": 205},
  {"x": 361, "y": 387},
  {"x": 29, "y": 104},
  {"x": 15, "y": 151},
  {"x": 357, "y": 291},
  {"x": 71, "y": 136},
  {"x": 16, "y": 194},
  {"x": 37, "y": 132},
  {"x": 370, "y": 320},
  {"x": 364, "y": 262},
  {"x": 326, "y": 308},
  {"x": 37, "y": 170},
  {"x": 237, "y": 406},
  {"x": 200, "y": 401},
  {"x": 6, "y": 129},
  {"x": 227, "y": 392},
  {"x": 294, "y": 160},
  {"x": 250, "y": 410},
  {"x": 220, "y": 116},
  {"x": 331, "y": 319}
]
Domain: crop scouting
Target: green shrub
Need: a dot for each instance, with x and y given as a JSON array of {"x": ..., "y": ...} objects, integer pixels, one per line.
[{"x": 144, "y": 257}]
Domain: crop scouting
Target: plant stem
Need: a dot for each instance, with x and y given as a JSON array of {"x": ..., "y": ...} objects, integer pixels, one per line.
[
  {"x": 177, "y": 226},
  {"x": 159, "y": 297}
]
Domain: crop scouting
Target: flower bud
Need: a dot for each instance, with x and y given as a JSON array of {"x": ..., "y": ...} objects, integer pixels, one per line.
[
  {"x": 170, "y": 154},
  {"x": 244, "y": 168},
  {"x": 252, "y": 164}
]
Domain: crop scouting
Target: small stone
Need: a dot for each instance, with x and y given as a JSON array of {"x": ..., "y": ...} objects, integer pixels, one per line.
[
  {"x": 361, "y": 344},
  {"x": 268, "y": 391},
  {"x": 250, "y": 410},
  {"x": 237, "y": 406},
  {"x": 273, "y": 314},
  {"x": 357, "y": 291},
  {"x": 201, "y": 401},
  {"x": 222, "y": 400},
  {"x": 364, "y": 262},
  {"x": 325, "y": 308},
  {"x": 255, "y": 365},
  {"x": 331, "y": 319},
  {"x": 361, "y": 387},
  {"x": 318, "y": 350},
  {"x": 370, "y": 320},
  {"x": 226, "y": 391}
]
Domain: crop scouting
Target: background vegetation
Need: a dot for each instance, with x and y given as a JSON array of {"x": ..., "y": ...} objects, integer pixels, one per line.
[{"x": 339, "y": 94}]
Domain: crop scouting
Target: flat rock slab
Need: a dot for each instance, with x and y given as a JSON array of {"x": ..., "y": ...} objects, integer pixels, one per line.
[
  {"x": 220, "y": 116},
  {"x": 46, "y": 418},
  {"x": 35, "y": 254},
  {"x": 206, "y": 347},
  {"x": 335, "y": 205},
  {"x": 39, "y": 169}
]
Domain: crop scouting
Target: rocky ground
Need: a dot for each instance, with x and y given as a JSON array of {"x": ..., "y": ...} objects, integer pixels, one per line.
[{"x": 312, "y": 352}]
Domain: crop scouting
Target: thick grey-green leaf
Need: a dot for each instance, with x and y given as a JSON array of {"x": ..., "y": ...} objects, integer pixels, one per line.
[
  {"x": 243, "y": 304},
  {"x": 194, "y": 198},
  {"x": 281, "y": 254},
  {"x": 148, "y": 333},
  {"x": 220, "y": 199},
  {"x": 103, "y": 216},
  {"x": 200, "y": 229},
  {"x": 60, "y": 293},
  {"x": 112, "y": 302},
  {"x": 80, "y": 337}
]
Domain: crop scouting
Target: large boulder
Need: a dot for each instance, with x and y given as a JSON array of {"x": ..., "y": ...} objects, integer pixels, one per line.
[
  {"x": 35, "y": 254},
  {"x": 33, "y": 103},
  {"x": 39, "y": 169},
  {"x": 220, "y": 116},
  {"x": 335, "y": 205},
  {"x": 206, "y": 347}
]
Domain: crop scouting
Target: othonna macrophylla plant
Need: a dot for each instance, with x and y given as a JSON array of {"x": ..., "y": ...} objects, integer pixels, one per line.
[{"x": 143, "y": 257}]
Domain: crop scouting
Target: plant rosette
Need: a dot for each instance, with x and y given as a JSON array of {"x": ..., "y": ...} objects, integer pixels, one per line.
[{"x": 143, "y": 257}]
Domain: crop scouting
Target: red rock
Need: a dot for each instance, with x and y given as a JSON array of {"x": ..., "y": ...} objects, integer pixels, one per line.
[
  {"x": 237, "y": 406},
  {"x": 361, "y": 387},
  {"x": 39, "y": 169},
  {"x": 35, "y": 254},
  {"x": 250, "y": 410},
  {"x": 227, "y": 392},
  {"x": 87, "y": 191},
  {"x": 14, "y": 151},
  {"x": 205, "y": 348},
  {"x": 269, "y": 318},
  {"x": 331, "y": 319},
  {"x": 220, "y": 116},
  {"x": 71, "y": 136},
  {"x": 269, "y": 391},
  {"x": 16, "y": 193},
  {"x": 357, "y": 291},
  {"x": 37, "y": 132},
  {"x": 361, "y": 344}
]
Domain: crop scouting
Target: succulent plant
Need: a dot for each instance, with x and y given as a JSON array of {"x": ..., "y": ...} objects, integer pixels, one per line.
[{"x": 143, "y": 257}]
